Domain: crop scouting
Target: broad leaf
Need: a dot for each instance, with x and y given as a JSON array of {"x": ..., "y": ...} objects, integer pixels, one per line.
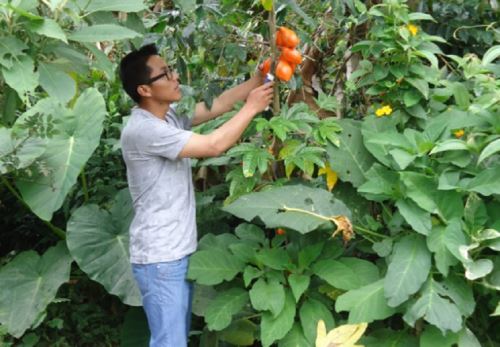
[
  {"x": 213, "y": 266},
  {"x": 103, "y": 32},
  {"x": 273, "y": 329},
  {"x": 115, "y": 5},
  {"x": 298, "y": 284},
  {"x": 437, "y": 242},
  {"x": 435, "y": 309},
  {"x": 310, "y": 313},
  {"x": 67, "y": 152},
  {"x": 408, "y": 270},
  {"x": 220, "y": 311},
  {"x": 365, "y": 304},
  {"x": 21, "y": 75},
  {"x": 346, "y": 273},
  {"x": 268, "y": 296},
  {"x": 487, "y": 182},
  {"x": 28, "y": 284},
  {"x": 294, "y": 338},
  {"x": 419, "y": 219},
  {"x": 56, "y": 82},
  {"x": 98, "y": 241},
  {"x": 350, "y": 160},
  {"x": 295, "y": 207}
]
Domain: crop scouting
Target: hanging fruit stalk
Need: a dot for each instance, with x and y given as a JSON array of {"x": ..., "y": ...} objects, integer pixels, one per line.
[{"x": 274, "y": 57}]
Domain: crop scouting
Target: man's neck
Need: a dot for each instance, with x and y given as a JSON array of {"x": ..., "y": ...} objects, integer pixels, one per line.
[{"x": 156, "y": 109}]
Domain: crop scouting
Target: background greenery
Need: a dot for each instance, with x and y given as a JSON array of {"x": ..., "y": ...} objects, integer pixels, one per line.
[{"x": 388, "y": 138}]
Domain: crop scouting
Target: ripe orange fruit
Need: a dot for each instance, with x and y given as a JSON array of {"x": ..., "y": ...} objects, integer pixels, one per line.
[
  {"x": 280, "y": 231},
  {"x": 279, "y": 38},
  {"x": 288, "y": 38},
  {"x": 266, "y": 66},
  {"x": 284, "y": 71},
  {"x": 292, "y": 56}
]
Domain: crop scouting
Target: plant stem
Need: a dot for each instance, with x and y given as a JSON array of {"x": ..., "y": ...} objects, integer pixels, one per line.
[
  {"x": 274, "y": 58},
  {"x": 84, "y": 185},
  {"x": 58, "y": 231},
  {"x": 369, "y": 232}
]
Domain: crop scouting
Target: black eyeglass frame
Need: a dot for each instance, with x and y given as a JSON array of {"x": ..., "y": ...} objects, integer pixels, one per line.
[{"x": 168, "y": 74}]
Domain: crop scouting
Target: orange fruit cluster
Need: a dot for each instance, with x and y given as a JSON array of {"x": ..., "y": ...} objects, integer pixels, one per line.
[{"x": 290, "y": 57}]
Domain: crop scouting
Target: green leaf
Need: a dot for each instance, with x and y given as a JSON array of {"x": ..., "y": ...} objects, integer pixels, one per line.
[
  {"x": 275, "y": 258},
  {"x": 202, "y": 297},
  {"x": 487, "y": 182},
  {"x": 309, "y": 254},
  {"x": 350, "y": 160},
  {"x": 467, "y": 339},
  {"x": 370, "y": 128},
  {"x": 115, "y": 5},
  {"x": 460, "y": 292},
  {"x": 420, "y": 188},
  {"x": 310, "y": 313},
  {"x": 432, "y": 337},
  {"x": 220, "y": 311},
  {"x": 213, "y": 266},
  {"x": 449, "y": 145},
  {"x": 421, "y": 85},
  {"x": 48, "y": 27},
  {"x": 437, "y": 242},
  {"x": 11, "y": 49},
  {"x": 272, "y": 328},
  {"x": 26, "y": 149},
  {"x": 461, "y": 94},
  {"x": 402, "y": 157},
  {"x": 294, "y": 338},
  {"x": 98, "y": 240},
  {"x": 420, "y": 16},
  {"x": 67, "y": 152},
  {"x": 268, "y": 296},
  {"x": 103, "y": 32},
  {"x": 365, "y": 304},
  {"x": 267, "y": 4},
  {"x": 135, "y": 330},
  {"x": 489, "y": 150},
  {"x": 346, "y": 273},
  {"x": 491, "y": 54},
  {"x": 382, "y": 183},
  {"x": 408, "y": 270},
  {"x": 274, "y": 206},
  {"x": 298, "y": 284},
  {"x": 239, "y": 333},
  {"x": 478, "y": 269},
  {"x": 56, "y": 82},
  {"x": 250, "y": 273},
  {"x": 21, "y": 75},
  {"x": 419, "y": 219},
  {"x": 28, "y": 284},
  {"x": 411, "y": 98},
  {"x": 250, "y": 232},
  {"x": 436, "y": 310}
]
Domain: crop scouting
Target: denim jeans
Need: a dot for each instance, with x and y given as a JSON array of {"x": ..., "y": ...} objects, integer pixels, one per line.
[{"x": 166, "y": 299}]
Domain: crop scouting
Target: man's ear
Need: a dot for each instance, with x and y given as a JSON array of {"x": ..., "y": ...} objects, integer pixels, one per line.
[{"x": 144, "y": 90}]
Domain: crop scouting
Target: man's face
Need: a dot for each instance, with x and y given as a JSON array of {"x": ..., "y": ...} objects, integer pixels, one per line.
[{"x": 164, "y": 82}]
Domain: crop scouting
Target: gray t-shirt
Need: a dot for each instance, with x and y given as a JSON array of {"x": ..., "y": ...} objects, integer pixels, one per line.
[{"x": 164, "y": 224}]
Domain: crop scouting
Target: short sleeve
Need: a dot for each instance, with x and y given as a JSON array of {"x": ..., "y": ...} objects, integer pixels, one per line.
[{"x": 163, "y": 139}]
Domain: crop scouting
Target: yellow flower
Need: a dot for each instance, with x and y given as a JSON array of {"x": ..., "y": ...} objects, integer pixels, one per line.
[
  {"x": 331, "y": 176},
  {"x": 342, "y": 336},
  {"x": 459, "y": 133},
  {"x": 383, "y": 111},
  {"x": 413, "y": 29}
]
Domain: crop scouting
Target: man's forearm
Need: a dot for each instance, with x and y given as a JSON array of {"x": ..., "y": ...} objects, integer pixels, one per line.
[{"x": 230, "y": 132}]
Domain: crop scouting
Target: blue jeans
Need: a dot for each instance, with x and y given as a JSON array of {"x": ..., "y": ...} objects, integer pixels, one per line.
[{"x": 166, "y": 298}]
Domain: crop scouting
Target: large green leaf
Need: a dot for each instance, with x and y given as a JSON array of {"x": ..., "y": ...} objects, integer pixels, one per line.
[
  {"x": 420, "y": 188},
  {"x": 298, "y": 284},
  {"x": 373, "y": 126},
  {"x": 268, "y": 295},
  {"x": 382, "y": 184},
  {"x": 67, "y": 152},
  {"x": 241, "y": 332},
  {"x": 346, "y": 273},
  {"x": 29, "y": 283},
  {"x": 435, "y": 309},
  {"x": 487, "y": 182},
  {"x": 98, "y": 241},
  {"x": 273, "y": 207},
  {"x": 115, "y": 5},
  {"x": 437, "y": 242},
  {"x": 408, "y": 270},
  {"x": 25, "y": 150},
  {"x": 365, "y": 304},
  {"x": 310, "y": 313},
  {"x": 21, "y": 75},
  {"x": 56, "y": 82},
  {"x": 272, "y": 329},
  {"x": 103, "y": 32},
  {"x": 350, "y": 160},
  {"x": 419, "y": 219},
  {"x": 10, "y": 49},
  {"x": 48, "y": 27},
  {"x": 213, "y": 266},
  {"x": 432, "y": 337},
  {"x": 221, "y": 310},
  {"x": 294, "y": 338}
]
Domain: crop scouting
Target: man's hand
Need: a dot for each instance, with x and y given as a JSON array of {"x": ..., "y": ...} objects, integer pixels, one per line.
[{"x": 260, "y": 97}]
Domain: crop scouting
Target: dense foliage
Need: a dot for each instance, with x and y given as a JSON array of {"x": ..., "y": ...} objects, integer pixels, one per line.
[{"x": 371, "y": 195}]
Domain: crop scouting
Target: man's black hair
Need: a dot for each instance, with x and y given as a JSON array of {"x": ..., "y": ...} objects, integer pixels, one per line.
[{"x": 134, "y": 70}]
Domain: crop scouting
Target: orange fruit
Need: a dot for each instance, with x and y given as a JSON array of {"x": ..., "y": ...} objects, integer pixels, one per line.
[
  {"x": 284, "y": 71},
  {"x": 266, "y": 66},
  {"x": 288, "y": 38},
  {"x": 292, "y": 56},
  {"x": 280, "y": 231}
]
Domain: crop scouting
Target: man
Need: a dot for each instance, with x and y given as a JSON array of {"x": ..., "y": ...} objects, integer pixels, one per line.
[{"x": 156, "y": 146}]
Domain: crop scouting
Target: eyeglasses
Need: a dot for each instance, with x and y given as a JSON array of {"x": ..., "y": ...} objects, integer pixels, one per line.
[{"x": 168, "y": 74}]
